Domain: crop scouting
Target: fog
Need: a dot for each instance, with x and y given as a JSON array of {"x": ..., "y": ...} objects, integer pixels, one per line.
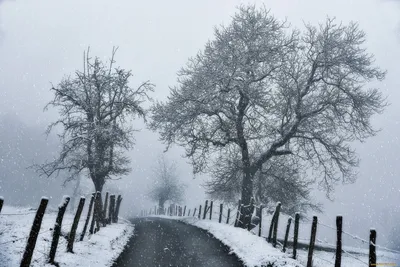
[{"x": 42, "y": 41}]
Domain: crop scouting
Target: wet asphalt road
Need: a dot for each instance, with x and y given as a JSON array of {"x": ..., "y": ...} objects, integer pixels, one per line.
[{"x": 162, "y": 242}]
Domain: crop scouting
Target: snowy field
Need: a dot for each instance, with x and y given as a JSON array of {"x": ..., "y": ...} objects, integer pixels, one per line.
[
  {"x": 100, "y": 249},
  {"x": 248, "y": 248}
]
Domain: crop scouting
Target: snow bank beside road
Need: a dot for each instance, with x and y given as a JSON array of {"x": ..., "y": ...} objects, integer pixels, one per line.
[
  {"x": 99, "y": 250},
  {"x": 251, "y": 249}
]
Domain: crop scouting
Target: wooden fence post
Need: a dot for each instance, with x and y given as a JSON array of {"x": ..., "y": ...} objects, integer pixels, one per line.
[
  {"x": 271, "y": 228},
  {"x": 194, "y": 212},
  {"x": 72, "y": 233},
  {"x": 251, "y": 211},
  {"x": 200, "y": 212},
  {"x": 296, "y": 234},
  {"x": 188, "y": 213},
  {"x": 211, "y": 209},
  {"x": 105, "y": 210},
  {"x": 1, "y": 203},
  {"x": 229, "y": 215},
  {"x": 111, "y": 209},
  {"x": 312, "y": 241},
  {"x": 372, "y": 248},
  {"x": 94, "y": 217},
  {"x": 116, "y": 212},
  {"x": 87, "y": 218},
  {"x": 221, "y": 209},
  {"x": 260, "y": 224},
  {"x": 184, "y": 211},
  {"x": 286, "y": 234},
  {"x": 240, "y": 215},
  {"x": 272, "y": 225},
  {"x": 37, "y": 223},
  {"x": 339, "y": 228},
  {"x": 57, "y": 228},
  {"x": 205, "y": 210},
  {"x": 238, "y": 212},
  {"x": 275, "y": 237},
  {"x": 98, "y": 215}
]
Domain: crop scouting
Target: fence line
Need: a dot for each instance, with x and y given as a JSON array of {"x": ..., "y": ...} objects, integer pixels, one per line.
[
  {"x": 35, "y": 233},
  {"x": 304, "y": 220}
]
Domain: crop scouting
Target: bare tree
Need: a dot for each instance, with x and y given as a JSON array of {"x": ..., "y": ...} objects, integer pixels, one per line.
[
  {"x": 166, "y": 186},
  {"x": 281, "y": 179},
  {"x": 95, "y": 108},
  {"x": 272, "y": 92}
]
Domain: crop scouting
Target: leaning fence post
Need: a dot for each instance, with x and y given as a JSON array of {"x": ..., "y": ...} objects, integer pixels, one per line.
[
  {"x": 105, "y": 210},
  {"x": 296, "y": 234},
  {"x": 194, "y": 212},
  {"x": 1, "y": 203},
  {"x": 251, "y": 211},
  {"x": 57, "y": 228},
  {"x": 211, "y": 208},
  {"x": 339, "y": 227},
  {"x": 238, "y": 212},
  {"x": 111, "y": 209},
  {"x": 184, "y": 211},
  {"x": 312, "y": 241},
  {"x": 286, "y": 234},
  {"x": 72, "y": 233},
  {"x": 188, "y": 213},
  {"x": 272, "y": 225},
  {"x": 260, "y": 224},
  {"x": 278, "y": 210},
  {"x": 200, "y": 212},
  {"x": 95, "y": 210},
  {"x": 205, "y": 210},
  {"x": 116, "y": 211},
  {"x": 87, "y": 218},
  {"x": 98, "y": 215},
  {"x": 221, "y": 209},
  {"x": 37, "y": 223},
  {"x": 372, "y": 248},
  {"x": 229, "y": 215}
]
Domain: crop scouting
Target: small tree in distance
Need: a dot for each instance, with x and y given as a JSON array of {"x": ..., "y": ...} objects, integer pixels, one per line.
[
  {"x": 166, "y": 184},
  {"x": 95, "y": 106}
]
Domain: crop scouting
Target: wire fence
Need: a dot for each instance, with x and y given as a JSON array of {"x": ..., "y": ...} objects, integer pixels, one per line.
[
  {"x": 322, "y": 245},
  {"x": 97, "y": 217}
]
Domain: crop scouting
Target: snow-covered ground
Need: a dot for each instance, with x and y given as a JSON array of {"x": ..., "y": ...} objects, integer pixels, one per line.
[
  {"x": 354, "y": 256},
  {"x": 100, "y": 249}
]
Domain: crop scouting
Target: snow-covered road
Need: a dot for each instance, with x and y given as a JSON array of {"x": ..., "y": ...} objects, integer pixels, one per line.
[{"x": 164, "y": 242}]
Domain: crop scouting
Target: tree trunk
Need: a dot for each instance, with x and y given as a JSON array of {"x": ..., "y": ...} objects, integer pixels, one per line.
[
  {"x": 98, "y": 185},
  {"x": 161, "y": 206},
  {"x": 247, "y": 185},
  {"x": 247, "y": 193}
]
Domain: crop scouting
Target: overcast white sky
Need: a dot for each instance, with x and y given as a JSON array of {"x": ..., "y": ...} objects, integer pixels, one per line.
[{"x": 43, "y": 40}]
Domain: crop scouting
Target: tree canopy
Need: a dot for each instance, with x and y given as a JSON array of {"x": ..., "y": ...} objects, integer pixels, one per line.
[
  {"x": 264, "y": 90},
  {"x": 96, "y": 107}
]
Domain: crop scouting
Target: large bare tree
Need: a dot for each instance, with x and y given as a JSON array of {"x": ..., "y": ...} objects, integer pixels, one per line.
[
  {"x": 166, "y": 185},
  {"x": 270, "y": 91},
  {"x": 96, "y": 107}
]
